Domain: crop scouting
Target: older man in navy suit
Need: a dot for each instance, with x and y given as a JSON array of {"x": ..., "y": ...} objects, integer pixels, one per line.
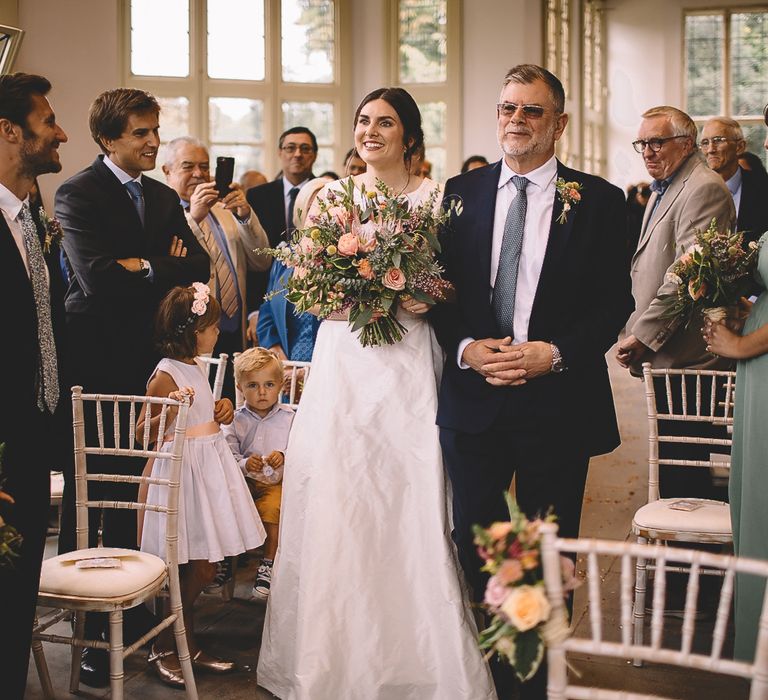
[{"x": 543, "y": 290}]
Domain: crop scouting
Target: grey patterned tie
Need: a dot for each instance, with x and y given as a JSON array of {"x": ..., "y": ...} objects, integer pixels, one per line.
[
  {"x": 48, "y": 380},
  {"x": 291, "y": 204},
  {"x": 137, "y": 197},
  {"x": 511, "y": 244}
]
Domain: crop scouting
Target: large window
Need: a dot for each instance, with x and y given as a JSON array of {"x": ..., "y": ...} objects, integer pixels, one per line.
[
  {"x": 236, "y": 73},
  {"x": 726, "y": 68},
  {"x": 426, "y": 57}
]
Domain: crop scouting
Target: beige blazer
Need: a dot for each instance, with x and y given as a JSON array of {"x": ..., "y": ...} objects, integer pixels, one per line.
[
  {"x": 242, "y": 241},
  {"x": 694, "y": 197}
]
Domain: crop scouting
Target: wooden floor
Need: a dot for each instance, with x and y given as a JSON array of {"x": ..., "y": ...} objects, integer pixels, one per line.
[{"x": 616, "y": 487}]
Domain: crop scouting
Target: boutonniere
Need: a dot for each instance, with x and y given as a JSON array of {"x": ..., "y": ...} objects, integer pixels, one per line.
[
  {"x": 54, "y": 233},
  {"x": 569, "y": 194}
]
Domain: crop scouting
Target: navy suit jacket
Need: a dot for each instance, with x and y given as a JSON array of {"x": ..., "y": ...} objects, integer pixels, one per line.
[
  {"x": 753, "y": 206},
  {"x": 110, "y": 311},
  {"x": 582, "y": 301}
]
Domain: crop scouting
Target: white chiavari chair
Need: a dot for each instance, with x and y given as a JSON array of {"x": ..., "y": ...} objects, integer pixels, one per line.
[
  {"x": 220, "y": 363},
  {"x": 136, "y": 576}
]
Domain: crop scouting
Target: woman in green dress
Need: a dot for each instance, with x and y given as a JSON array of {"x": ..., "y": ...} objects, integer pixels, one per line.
[{"x": 749, "y": 457}]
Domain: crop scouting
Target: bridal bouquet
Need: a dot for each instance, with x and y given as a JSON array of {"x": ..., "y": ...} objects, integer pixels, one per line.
[
  {"x": 521, "y": 616},
  {"x": 361, "y": 255},
  {"x": 10, "y": 539},
  {"x": 711, "y": 275}
]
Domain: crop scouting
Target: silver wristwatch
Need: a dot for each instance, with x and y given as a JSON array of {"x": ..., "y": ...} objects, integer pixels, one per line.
[
  {"x": 557, "y": 359},
  {"x": 143, "y": 266}
]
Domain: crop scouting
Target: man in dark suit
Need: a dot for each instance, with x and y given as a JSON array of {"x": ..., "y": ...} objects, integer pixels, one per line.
[
  {"x": 33, "y": 405},
  {"x": 274, "y": 202},
  {"x": 722, "y": 142},
  {"x": 126, "y": 244},
  {"x": 543, "y": 290}
]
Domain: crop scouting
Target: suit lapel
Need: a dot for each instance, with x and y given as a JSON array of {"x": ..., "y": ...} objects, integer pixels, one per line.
[
  {"x": 121, "y": 201},
  {"x": 486, "y": 203}
]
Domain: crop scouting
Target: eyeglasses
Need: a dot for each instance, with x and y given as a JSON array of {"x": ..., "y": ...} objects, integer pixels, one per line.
[
  {"x": 304, "y": 149},
  {"x": 509, "y": 109},
  {"x": 716, "y": 141},
  {"x": 655, "y": 144}
]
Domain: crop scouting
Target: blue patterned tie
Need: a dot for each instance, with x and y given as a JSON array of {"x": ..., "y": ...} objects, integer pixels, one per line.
[
  {"x": 137, "y": 197},
  {"x": 48, "y": 379},
  {"x": 303, "y": 332},
  {"x": 509, "y": 260}
]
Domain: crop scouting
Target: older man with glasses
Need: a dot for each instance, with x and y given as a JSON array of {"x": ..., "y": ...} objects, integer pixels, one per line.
[
  {"x": 686, "y": 195},
  {"x": 722, "y": 142}
]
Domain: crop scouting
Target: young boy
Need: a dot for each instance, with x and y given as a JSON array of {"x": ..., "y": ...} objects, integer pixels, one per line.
[{"x": 258, "y": 436}]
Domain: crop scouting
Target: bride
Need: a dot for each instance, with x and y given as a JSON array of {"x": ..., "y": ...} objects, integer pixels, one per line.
[{"x": 366, "y": 600}]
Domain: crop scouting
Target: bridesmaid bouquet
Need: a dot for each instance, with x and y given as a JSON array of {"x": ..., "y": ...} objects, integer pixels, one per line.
[
  {"x": 521, "y": 616},
  {"x": 712, "y": 275},
  {"x": 360, "y": 256},
  {"x": 10, "y": 539}
]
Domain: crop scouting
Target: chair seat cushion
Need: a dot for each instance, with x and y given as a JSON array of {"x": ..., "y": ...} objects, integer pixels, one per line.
[
  {"x": 711, "y": 518},
  {"x": 60, "y": 575}
]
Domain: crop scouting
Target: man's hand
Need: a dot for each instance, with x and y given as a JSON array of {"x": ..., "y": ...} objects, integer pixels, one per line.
[
  {"x": 250, "y": 331},
  {"x": 630, "y": 351},
  {"x": 204, "y": 196},
  {"x": 223, "y": 413},
  {"x": 514, "y": 365},
  {"x": 235, "y": 201},
  {"x": 178, "y": 249},
  {"x": 254, "y": 464},
  {"x": 5, "y": 496},
  {"x": 130, "y": 264},
  {"x": 480, "y": 353}
]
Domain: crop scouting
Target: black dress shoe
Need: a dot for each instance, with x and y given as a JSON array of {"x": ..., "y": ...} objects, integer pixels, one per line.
[{"x": 94, "y": 668}]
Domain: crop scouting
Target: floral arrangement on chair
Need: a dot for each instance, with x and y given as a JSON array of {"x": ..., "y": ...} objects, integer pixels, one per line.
[
  {"x": 712, "y": 275},
  {"x": 361, "y": 258},
  {"x": 10, "y": 539},
  {"x": 522, "y": 623}
]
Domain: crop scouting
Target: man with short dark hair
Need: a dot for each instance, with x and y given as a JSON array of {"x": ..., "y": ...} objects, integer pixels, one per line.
[
  {"x": 126, "y": 244},
  {"x": 274, "y": 202},
  {"x": 33, "y": 405},
  {"x": 722, "y": 142}
]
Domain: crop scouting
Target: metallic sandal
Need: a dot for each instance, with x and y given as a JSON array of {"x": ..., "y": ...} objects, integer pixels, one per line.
[
  {"x": 212, "y": 664},
  {"x": 167, "y": 675}
]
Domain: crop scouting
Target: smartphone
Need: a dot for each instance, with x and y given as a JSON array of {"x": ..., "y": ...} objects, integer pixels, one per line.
[{"x": 225, "y": 174}]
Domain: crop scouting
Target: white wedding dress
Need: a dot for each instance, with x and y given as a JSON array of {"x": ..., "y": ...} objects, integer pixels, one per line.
[{"x": 366, "y": 600}]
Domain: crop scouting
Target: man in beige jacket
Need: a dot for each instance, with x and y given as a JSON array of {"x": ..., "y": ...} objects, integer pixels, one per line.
[
  {"x": 229, "y": 231},
  {"x": 686, "y": 195}
]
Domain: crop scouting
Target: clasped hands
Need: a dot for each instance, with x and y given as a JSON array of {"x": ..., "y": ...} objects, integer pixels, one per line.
[
  {"x": 505, "y": 364},
  {"x": 255, "y": 463}
]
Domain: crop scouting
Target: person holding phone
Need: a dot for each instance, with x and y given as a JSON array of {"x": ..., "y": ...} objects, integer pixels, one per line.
[{"x": 228, "y": 229}]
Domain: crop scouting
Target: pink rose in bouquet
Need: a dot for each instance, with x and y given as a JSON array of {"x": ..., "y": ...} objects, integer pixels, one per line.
[
  {"x": 394, "y": 279},
  {"x": 348, "y": 244},
  {"x": 306, "y": 244}
]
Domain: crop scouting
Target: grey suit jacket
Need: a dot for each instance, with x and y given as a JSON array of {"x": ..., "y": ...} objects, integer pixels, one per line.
[
  {"x": 242, "y": 241},
  {"x": 695, "y": 196}
]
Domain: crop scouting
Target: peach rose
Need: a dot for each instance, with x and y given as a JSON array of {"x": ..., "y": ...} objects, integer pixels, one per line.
[
  {"x": 575, "y": 195},
  {"x": 526, "y": 606},
  {"x": 499, "y": 530},
  {"x": 511, "y": 571},
  {"x": 365, "y": 269},
  {"x": 394, "y": 279},
  {"x": 348, "y": 244}
]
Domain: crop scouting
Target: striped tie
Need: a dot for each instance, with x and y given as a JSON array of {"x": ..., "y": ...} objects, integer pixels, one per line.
[{"x": 225, "y": 283}]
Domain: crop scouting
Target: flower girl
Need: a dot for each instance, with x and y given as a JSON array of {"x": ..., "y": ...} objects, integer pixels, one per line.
[{"x": 217, "y": 518}]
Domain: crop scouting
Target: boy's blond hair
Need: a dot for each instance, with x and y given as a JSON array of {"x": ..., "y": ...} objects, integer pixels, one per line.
[{"x": 255, "y": 359}]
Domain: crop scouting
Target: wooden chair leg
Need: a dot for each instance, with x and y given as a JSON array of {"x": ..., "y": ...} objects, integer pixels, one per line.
[
  {"x": 641, "y": 582},
  {"x": 78, "y": 631},
  {"x": 116, "y": 674},
  {"x": 42, "y": 668}
]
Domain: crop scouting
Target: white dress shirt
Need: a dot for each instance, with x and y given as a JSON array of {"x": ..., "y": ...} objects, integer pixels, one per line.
[
  {"x": 11, "y": 206},
  {"x": 734, "y": 187},
  {"x": 540, "y": 194},
  {"x": 121, "y": 175}
]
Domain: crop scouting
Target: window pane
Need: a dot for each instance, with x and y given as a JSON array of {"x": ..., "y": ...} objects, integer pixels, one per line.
[
  {"x": 704, "y": 64},
  {"x": 325, "y": 162},
  {"x": 316, "y": 116},
  {"x": 236, "y": 39},
  {"x": 174, "y": 122},
  {"x": 307, "y": 40},
  {"x": 423, "y": 41},
  {"x": 235, "y": 119},
  {"x": 246, "y": 158},
  {"x": 749, "y": 62},
  {"x": 436, "y": 156},
  {"x": 160, "y": 25},
  {"x": 755, "y": 135},
  {"x": 433, "y": 122}
]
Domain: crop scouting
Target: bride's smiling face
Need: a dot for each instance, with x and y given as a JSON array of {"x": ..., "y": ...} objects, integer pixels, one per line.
[{"x": 379, "y": 134}]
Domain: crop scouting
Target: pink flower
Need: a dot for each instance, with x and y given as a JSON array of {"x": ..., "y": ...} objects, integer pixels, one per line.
[
  {"x": 300, "y": 272},
  {"x": 198, "y": 307},
  {"x": 366, "y": 234},
  {"x": 348, "y": 244},
  {"x": 340, "y": 215},
  {"x": 365, "y": 269},
  {"x": 511, "y": 571},
  {"x": 394, "y": 279},
  {"x": 495, "y": 593},
  {"x": 575, "y": 195},
  {"x": 570, "y": 580},
  {"x": 306, "y": 244}
]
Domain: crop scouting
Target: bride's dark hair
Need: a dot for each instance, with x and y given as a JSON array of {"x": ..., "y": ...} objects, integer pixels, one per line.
[{"x": 408, "y": 111}]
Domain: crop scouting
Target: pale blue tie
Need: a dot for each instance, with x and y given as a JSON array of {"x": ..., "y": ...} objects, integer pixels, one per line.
[
  {"x": 505, "y": 284},
  {"x": 137, "y": 197}
]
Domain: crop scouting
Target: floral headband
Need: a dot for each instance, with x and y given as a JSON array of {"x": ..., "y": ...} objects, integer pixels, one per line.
[{"x": 199, "y": 306}]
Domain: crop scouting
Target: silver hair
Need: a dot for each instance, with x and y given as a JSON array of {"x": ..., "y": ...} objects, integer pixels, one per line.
[
  {"x": 172, "y": 147},
  {"x": 733, "y": 127},
  {"x": 682, "y": 124}
]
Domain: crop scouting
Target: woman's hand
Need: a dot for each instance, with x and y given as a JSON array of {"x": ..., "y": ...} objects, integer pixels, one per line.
[
  {"x": 5, "y": 496},
  {"x": 223, "y": 412},
  {"x": 722, "y": 341},
  {"x": 180, "y": 394},
  {"x": 409, "y": 304}
]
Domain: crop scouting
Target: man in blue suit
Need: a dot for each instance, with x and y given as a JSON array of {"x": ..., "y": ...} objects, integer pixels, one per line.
[{"x": 543, "y": 290}]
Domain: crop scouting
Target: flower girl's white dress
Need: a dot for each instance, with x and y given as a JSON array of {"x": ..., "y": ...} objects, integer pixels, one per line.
[{"x": 366, "y": 601}]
